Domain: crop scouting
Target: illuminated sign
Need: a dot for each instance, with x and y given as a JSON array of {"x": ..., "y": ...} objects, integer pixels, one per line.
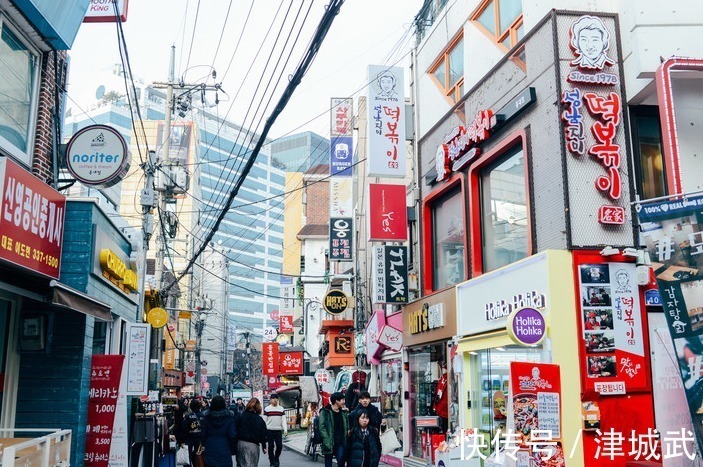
[
  {"x": 97, "y": 155},
  {"x": 343, "y": 344},
  {"x": 460, "y": 142},
  {"x": 335, "y": 302},
  {"x": 117, "y": 272},
  {"x": 427, "y": 318}
]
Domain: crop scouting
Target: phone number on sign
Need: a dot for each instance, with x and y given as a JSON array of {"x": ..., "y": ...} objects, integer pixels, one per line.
[{"x": 26, "y": 251}]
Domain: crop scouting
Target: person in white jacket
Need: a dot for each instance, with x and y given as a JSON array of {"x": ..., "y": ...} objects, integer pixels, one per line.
[{"x": 276, "y": 427}]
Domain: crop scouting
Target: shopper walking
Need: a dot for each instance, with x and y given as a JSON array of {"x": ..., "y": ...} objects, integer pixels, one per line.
[
  {"x": 334, "y": 426},
  {"x": 364, "y": 444},
  {"x": 365, "y": 405},
  {"x": 219, "y": 434},
  {"x": 252, "y": 433},
  {"x": 276, "y": 426},
  {"x": 191, "y": 429}
]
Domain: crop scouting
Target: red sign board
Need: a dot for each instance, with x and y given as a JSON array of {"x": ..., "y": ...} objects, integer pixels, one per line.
[
  {"x": 105, "y": 373},
  {"x": 459, "y": 148},
  {"x": 270, "y": 358},
  {"x": 31, "y": 220},
  {"x": 291, "y": 363},
  {"x": 285, "y": 324},
  {"x": 102, "y": 11},
  {"x": 388, "y": 215},
  {"x": 535, "y": 389}
]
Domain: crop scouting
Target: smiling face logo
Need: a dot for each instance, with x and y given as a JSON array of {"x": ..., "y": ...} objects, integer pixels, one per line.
[{"x": 590, "y": 41}]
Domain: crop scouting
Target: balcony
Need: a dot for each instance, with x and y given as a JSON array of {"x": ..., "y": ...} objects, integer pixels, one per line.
[{"x": 44, "y": 450}]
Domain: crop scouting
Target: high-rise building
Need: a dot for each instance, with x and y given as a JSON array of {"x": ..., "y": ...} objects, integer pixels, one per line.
[{"x": 299, "y": 152}]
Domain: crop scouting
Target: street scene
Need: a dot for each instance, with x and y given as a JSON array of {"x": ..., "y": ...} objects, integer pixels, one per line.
[{"x": 447, "y": 233}]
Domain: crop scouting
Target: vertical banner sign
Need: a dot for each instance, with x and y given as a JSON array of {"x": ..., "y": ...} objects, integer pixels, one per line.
[
  {"x": 287, "y": 302},
  {"x": 269, "y": 352},
  {"x": 291, "y": 363},
  {"x": 138, "y": 342},
  {"x": 118, "y": 446},
  {"x": 105, "y": 374},
  {"x": 673, "y": 234},
  {"x": 390, "y": 274},
  {"x": 535, "y": 392},
  {"x": 386, "y": 120},
  {"x": 31, "y": 220},
  {"x": 341, "y": 196},
  {"x": 341, "y": 239},
  {"x": 229, "y": 362},
  {"x": 612, "y": 328},
  {"x": 594, "y": 130},
  {"x": 341, "y": 144},
  {"x": 388, "y": 216}
]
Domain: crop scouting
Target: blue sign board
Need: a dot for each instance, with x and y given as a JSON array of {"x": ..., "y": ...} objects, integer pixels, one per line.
[
  {"x": 652, "y": 298},
  {"x": 341, "y": 156},
  {"x": 57, "y": 22}
]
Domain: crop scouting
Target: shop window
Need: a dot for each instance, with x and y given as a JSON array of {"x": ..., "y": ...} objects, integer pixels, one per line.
[
  {"x": 501, "y": 20},
  {"x": 391, "y": 372},
  {"x": 500, "y": 210},
  {"x": 649, "y": 160},
  {"x": 491, "y": 384},
  {"x": 100, "y": 337},
  {"x": 19, "y": 67},
  {"x": 446, "y": 224},
  {"x": 448, "y": 71}
]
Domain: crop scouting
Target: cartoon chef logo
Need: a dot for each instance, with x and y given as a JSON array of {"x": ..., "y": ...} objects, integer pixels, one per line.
[{"x": 590, "y": 41}]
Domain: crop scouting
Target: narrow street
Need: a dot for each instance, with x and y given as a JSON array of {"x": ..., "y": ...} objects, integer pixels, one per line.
[{"x": 291, "y": 458}]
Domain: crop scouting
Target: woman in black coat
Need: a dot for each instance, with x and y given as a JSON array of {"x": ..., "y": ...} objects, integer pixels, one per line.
[
  {"x": 364, "y": 444},
  {"x": 252, "y": 433},
  {"x": 218, "y": 434}
]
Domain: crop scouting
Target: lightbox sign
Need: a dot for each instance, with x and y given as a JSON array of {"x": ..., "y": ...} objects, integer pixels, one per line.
[
  {"x": 335, "y": 302},
  {"x": 459, "y": 148},
  {"x": 103, "y": 11},
  {"x": 386, "y": 122},
  {"x": 387, "y": 214},
  {"x": 390, "y": 274},
  {"x": 97, "y": 155},
  {"x": 527, "y": 327},
  {"x": 341, "y": 239},
  {"x": 31, "y": 221}
]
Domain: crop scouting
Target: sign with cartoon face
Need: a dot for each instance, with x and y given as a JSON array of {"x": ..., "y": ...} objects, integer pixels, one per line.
[
  {"x": 590, "y": 41},
  {"x": 386, "y": 122}
]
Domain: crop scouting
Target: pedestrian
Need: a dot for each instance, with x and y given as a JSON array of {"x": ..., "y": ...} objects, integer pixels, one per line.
[
  {"x": 375, "y": 417},
  {"x": 191, "y": 429},
  {"x": 252, "y": 433},
  {"x": 240, "y": 405},
  {"x": 219, "y": 434},
  {"x": 276, "y": 426},
  {"x": 364, "y": 443},
  {"x": 334, "y": 425}
]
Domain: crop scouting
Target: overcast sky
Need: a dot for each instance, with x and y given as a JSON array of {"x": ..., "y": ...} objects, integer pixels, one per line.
[{"x": 365, "y": 32}]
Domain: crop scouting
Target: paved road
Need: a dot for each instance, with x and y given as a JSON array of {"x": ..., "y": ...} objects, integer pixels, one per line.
[{"x": 291, "y": 459}]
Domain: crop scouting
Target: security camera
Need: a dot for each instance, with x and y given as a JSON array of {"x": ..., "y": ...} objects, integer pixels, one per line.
[
  {"x": 631, "y": 252},
  {"x": 609, "y": 251}
]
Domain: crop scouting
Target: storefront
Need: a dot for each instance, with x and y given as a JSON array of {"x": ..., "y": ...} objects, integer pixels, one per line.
[{"x": 430, "y": 404}]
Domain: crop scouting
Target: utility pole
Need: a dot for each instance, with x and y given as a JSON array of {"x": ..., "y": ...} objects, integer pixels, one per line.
[{"x": 248, "y": 375}]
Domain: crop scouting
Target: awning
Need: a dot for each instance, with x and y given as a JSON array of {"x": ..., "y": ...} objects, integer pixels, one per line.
[{"x": 67, "y": 297}]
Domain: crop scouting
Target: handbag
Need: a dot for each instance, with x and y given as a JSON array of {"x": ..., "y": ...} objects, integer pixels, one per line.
[
  {"x": 198, "y": 459},
  {"x": 182, "y": 457},
  {"x": 389, "y": 441}
]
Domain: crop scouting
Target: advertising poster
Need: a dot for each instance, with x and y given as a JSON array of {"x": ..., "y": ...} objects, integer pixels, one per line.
[
  {"x": 290, "y": 363},
  {"x": 179, "y": 150},
  {"x": 138, "y": 340},
  {"x": 31, "y": 220},
  {"x": 386, "y": 122},
  {"x": 285, "y": 323},
  {"x": 105, "y": 374},
  {"x": 387, "y": 214},
  {"x": 611, "y": 320},
  {"x": 672, "y": 232}
]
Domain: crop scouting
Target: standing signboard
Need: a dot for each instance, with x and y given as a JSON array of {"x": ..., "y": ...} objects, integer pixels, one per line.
[
  {"x": 105, "y": 374},
  {"x": 138, "y": 342},
  {"x": 386, "y": 122},
  {"x": 673, "y": 234}
]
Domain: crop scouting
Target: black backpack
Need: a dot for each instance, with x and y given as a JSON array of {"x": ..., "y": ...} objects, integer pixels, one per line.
[{"x": 316, "y": 434}]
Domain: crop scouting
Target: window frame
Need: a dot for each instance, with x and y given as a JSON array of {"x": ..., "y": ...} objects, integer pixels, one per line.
[
  {"x": 518, "y": 137},
  {"x": 499, "y": 36},
  {"x": 438, "y": 194},
  {"x": 648, "y": 111},
  {"x": 25, "y": 157},
  {"x": 451, "y": 93}
]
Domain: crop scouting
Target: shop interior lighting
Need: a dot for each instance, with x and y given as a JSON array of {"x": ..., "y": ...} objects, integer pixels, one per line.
[
  {"x": 609, "y": 251},
  {"x": 473, "y": 353},
  {"x": 502, "y": 349}
]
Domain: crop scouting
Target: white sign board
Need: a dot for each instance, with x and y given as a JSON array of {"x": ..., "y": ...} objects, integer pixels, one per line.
[
  {"x": 97, "y": 155},
  {"x": 386, "y": 122},
  {"x": 138, "y": 342}
]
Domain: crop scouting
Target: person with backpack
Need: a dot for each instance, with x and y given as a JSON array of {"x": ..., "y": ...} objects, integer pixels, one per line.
[
  {"x": 365, "y": 405},
  {"x": 363, "y": 447},
  {"x": 190, "y": 427},
  {"x": 334, "y": 426}
]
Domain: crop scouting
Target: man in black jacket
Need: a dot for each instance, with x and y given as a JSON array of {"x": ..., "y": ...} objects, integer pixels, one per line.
[{"x": 376, "y": 419}]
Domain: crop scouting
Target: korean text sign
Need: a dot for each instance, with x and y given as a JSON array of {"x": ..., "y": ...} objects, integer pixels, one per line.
[
  {"x": 341, "y": 239},
  {"x": 290, "y": 363},
  {"x": 613, "y": 336},
  {"x": 105, "y": 373},
  {"x": 270, "y": 357},
  {"x": 390, "y": 274},
  {"x": 31, "y": 220},
  {"x": 535, "y": 389},
  {"x": 386, "y": 120},
  {"x": 388, "y": 216},
  {"x": 673, "y": 234}
]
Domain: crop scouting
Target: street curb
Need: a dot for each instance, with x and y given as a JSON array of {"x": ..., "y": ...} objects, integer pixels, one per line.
[{"x": 290, "y": 446}]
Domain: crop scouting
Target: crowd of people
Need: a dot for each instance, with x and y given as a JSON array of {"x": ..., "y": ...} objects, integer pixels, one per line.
[{"x": 217, "y": 435}]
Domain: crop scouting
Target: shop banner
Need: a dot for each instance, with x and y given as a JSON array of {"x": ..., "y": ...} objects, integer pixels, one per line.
[
  {"x": 535, "y": 400},
  {"x": 31, "y": 220},
  {"x": 269, "y": 352},
  {"x": 229, "y": 363},
  {"x": 341, "y": 196},
  {"x": 287, "y": 302},
  {"x": 342, "y": 117},
  {"x": 386, "y": 121},
  {"x": 673, "y": 234},
  {"x": 391, "y": 337},
  {"x": 341, "y": 239},
  {"x": 118, "y": 446},
  {"x": 341, "y": 156},
  {"x": 290, "y": 363},
  {"x": 373, "y": 331},
  {"x": 390, "y": 274},
  {"x": 138, "y": 342},
  {"x": 388, "y": 216},
  {"x": 285, "y": 323},
  {"x": 613, "y": 336},
  {"x": 105, "y": 374}
]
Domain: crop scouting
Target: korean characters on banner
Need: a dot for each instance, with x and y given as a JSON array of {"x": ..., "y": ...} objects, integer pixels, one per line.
[
  {"x": 535, "y": 396},
  {"x": 387, "y": 213},
  {"x": 672, "y": 232},
  {"x": 592, "y": 118},
  {"x": 390, "y": 274},
  {"x": 611, "y": 320},
  {"x": 105, "y": 374},
  {"x": 341, "y": 239},
  {"x": 269, "y": 352},
  {"x": 31, "y": 220},
  {"x": 291, "y": 363},
  {"x": 386, "y": 119},
  {"x": 341, "y": 144}
]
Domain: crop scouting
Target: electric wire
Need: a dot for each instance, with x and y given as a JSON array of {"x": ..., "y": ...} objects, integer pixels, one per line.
[{"x": 192, "y": 39}]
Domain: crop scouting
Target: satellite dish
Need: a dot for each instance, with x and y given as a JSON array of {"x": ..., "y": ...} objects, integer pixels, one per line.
[{"x": 100, "y": 92}]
